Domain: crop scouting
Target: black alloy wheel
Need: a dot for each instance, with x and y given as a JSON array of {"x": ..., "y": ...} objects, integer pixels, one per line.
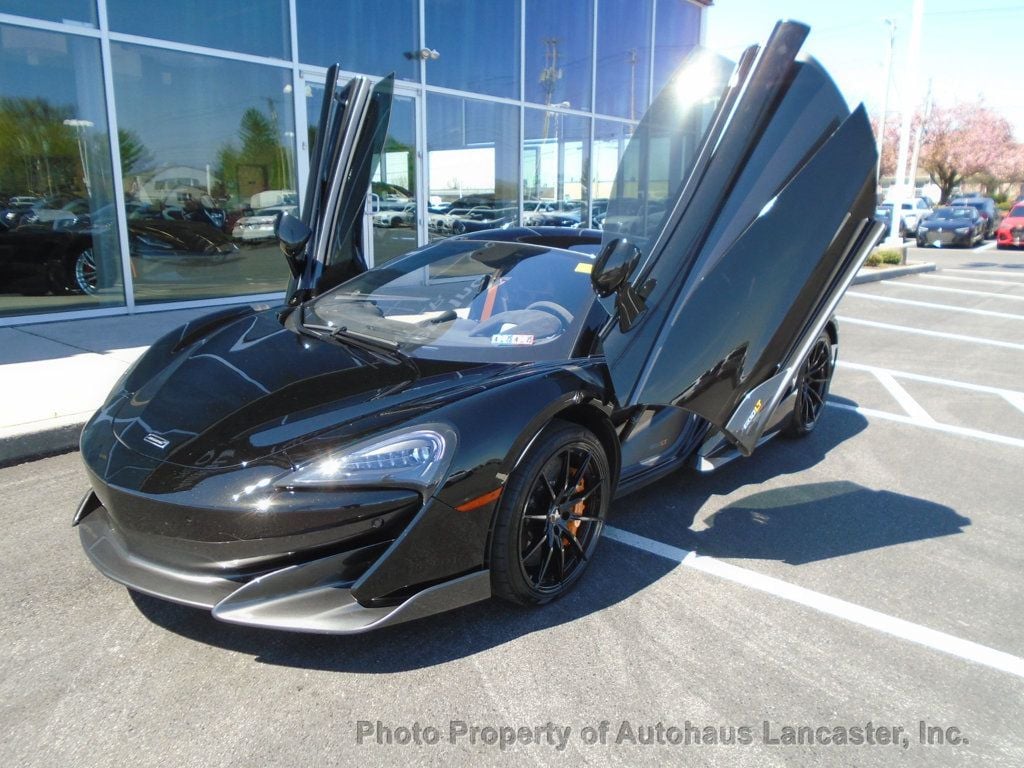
[
  {"x": 812, "y": 387},
  {"x": 550, "y": 516}
]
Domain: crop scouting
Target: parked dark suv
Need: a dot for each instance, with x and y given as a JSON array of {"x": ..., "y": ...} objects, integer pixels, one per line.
[{"x": 986, "y": 207}]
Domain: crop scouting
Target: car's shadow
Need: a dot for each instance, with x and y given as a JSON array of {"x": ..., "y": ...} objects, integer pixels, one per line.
[
  {"x": 795, "y": 524},
  {"x": 998, "y": 265}
]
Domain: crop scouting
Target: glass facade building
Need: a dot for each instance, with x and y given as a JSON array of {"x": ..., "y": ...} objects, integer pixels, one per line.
[{"x": 147, "y": 149}]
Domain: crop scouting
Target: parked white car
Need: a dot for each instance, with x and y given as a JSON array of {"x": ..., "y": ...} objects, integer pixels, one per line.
[{"x": 260, "y": 226}]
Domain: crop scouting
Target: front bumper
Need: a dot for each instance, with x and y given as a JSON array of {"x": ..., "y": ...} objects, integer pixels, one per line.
[
  {"x": 942, "y": 238},
  {"x": 312, "y": 596}
]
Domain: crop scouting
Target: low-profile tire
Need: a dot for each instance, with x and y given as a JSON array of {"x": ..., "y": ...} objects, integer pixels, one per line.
[
  {"x": 550, "y": 516},
  {"x": 812, "y": 385}
]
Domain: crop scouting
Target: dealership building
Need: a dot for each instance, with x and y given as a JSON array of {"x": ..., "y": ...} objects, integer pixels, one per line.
[{"x": 146, "y": 148}]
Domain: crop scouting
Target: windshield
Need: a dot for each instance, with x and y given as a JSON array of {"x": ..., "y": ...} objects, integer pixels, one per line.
[
  {"x": 952, "y": 213},
  {"x": 1017, "y": 212},
  {"x": 469, "y": 300}
]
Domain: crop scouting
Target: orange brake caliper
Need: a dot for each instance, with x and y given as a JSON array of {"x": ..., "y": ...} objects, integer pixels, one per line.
[{"x": 574, "y": 525}]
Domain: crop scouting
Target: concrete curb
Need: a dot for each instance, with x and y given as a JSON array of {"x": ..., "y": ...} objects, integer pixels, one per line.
[
  {"x": 49, "y": 441},
  {"x": 876, "y": 273}
]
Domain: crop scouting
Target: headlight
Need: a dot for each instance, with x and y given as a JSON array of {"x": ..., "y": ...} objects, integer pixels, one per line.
[
  {"x": 414, "y": 457},
  {"x": 923, "y": 228},
  {"x": 962, "y": 230}
]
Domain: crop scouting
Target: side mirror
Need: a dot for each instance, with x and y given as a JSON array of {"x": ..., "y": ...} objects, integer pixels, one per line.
[
  {"x": 292, "y": 235},
  {"x": 615, "y": 264}
]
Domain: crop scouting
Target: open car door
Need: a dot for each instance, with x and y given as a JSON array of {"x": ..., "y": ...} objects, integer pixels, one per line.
[
  {"x": 746, "y": 199},
  {"x": 325, "y": 249}
]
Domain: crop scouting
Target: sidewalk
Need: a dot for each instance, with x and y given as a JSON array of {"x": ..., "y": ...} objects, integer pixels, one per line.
[{"x": 53, "y": 376}]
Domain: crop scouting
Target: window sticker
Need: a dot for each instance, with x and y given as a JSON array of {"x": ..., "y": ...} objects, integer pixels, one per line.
[
  {"x": 512, "y": 339},
  {"x": 584, "y": 267}
]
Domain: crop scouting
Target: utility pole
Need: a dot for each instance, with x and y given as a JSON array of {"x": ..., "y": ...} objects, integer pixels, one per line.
[
  {"x": 549, "y": 77},
  {"x": 898, "y": 189},
  {"x": 880, "y": 139},
  {"x": 919, "y": 135},
  {"x": 633, "y": 58}
]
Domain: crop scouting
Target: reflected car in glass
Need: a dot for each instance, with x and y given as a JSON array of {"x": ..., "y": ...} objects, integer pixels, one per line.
[
  {"x": 455, "y": 424},
  {"x": 260, "y": 225},
  {"x": 57, "y": 254}
]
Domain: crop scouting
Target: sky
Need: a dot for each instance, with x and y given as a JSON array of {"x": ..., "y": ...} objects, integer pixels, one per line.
[{"x": 968, "y": 49}]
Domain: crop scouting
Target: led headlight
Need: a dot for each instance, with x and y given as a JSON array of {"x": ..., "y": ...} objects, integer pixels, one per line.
[
  {"x": 412, "y": 457},
  {"x": 962, "y": 230}
]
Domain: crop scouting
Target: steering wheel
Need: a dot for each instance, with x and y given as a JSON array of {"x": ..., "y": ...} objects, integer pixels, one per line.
[{"x": 552, "y": 308}]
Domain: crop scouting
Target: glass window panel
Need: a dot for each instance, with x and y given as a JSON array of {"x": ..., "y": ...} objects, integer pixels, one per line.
[
  {"x": 623, "y": 58},
  {"x": 209, "y": 167},
  {"x": 373, "y": 37},
  {"x": 556, "y": 168},
  {"x": 472, "y": 164},
  {"x": 392, "y": 203},
  {"x": 74, "y": 11},
  {"x": 610, "y": 140},
  {"x": 259, "y": 27},
  {"x": 394, "y": 186},
  {"x": 559, "y": 45},
  {"x": 58, "y": 223},
  {"x": 478, "y": 46},
  {"x": 676, "y": 33}
]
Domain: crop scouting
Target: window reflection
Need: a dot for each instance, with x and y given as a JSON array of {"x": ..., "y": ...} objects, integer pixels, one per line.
[
  {"x": 623, "y": 58},
  {"x": 610, "y": 141},
  {"x": 373, "y": 37},
  {"x": 558, "y": 50},
  {"x": 394, "y": 186},
  {"x": 207, "y": 157},
  {"x": 478, "y": 46},
  {"x": 80, "y": 11},
  {"x": 676, "y": 33},
  {"x": 58, "y": 232},
  {"x": 556, "y": 169},
  {"x": 259, "y": 27},
  {"x": 472, "y": 164}
]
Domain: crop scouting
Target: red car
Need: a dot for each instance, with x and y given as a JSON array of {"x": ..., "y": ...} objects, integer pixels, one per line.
[{"x": 1011, "y": 230}]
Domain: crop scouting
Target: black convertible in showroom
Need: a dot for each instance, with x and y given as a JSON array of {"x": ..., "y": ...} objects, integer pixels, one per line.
[{"x": 455, "y": 424}]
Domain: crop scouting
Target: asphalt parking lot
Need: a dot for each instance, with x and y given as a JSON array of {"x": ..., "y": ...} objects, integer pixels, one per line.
[{"x": 864, "y": 580}]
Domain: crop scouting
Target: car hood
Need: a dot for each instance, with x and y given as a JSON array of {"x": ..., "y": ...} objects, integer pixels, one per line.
[
  {"x": 1012, "y": 221},
  {"x": 255, "y": 387}
]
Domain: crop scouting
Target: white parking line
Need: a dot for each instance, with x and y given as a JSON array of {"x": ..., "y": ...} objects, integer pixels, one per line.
[
  {"x": 936, "y": 334},
  {"x": 931, "y": 305},
  {"x": 907, "y": 403},
  {"x": 932, "y": 276},
  {"x": 1016, "y": 399},
  {"x": 832, "y": 606},
  {"x": 998, "y": 272},
  {"x": 951, "y": 429},
  {"x": 932, "y": 379},
  {"x": 944, "y": 289}
]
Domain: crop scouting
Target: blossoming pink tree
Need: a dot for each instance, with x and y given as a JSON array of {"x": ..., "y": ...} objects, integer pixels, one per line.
[{"x": 961, "y": 142}]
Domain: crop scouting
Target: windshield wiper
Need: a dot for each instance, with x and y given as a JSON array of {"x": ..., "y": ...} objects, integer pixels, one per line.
[{"x": 386, "y": 348}]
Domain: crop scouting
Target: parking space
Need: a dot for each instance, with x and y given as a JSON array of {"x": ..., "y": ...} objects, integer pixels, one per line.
[{"x": 870, "y": 572}]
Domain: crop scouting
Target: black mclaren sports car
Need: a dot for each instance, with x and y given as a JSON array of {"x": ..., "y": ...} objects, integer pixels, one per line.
[{"x": 456, "y": 423}]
